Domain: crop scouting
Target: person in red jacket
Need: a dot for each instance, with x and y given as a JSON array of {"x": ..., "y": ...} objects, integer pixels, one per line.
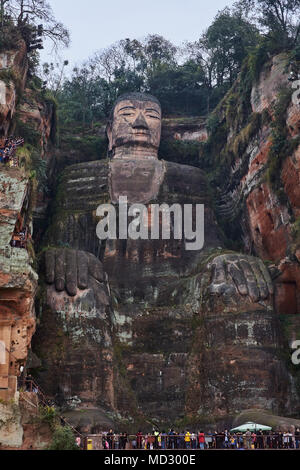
[{"x": 201, "y": 440}]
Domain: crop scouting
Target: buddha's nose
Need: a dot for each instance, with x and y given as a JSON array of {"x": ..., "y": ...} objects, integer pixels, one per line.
[{"x": 140, "y": 123}]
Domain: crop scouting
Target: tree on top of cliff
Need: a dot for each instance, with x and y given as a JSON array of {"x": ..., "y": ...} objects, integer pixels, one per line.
[
  {"x": 143, "y": 57},
  {"x": 34, "y": 19},
  {"x": 278, "y": 19},
  {"x": 222, "y": 48},
  {"x": 229, "y": 38}
]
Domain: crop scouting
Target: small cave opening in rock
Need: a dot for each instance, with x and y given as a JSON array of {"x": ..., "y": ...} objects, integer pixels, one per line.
[{"x": 286, "y": 302}]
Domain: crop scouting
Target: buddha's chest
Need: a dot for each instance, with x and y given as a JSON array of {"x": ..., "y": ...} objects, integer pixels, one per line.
[{"x": 138, "y": 180}]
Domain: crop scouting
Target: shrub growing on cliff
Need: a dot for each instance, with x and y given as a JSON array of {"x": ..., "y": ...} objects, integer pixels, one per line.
[
  {"x": 296, "y": 230},
  {"x": 48, "y": 414},
  {"x": 63, "y": 439}
]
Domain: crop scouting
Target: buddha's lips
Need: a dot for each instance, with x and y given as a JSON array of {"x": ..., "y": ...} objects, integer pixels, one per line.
[{"x": 147, "y": 133}]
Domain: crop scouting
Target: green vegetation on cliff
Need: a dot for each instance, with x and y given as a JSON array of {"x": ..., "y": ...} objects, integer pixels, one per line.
[
  {"x": 63, "y": 439},
  {"x": 282, "y": 145}
]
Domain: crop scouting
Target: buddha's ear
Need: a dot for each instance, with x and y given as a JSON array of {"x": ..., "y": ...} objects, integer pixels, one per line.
[{"x": 109, "y": 135}]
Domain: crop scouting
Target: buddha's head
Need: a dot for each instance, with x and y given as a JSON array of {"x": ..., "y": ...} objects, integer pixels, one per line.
[{"x": 134, "y": 128}]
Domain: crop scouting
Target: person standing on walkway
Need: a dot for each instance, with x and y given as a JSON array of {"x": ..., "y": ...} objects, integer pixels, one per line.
[
  {"x": 201, "y": 440},
  {"x": 171, "y": 439},
  {"x": 139, "y": 437},
  {"x": 248, "y": 439},
  {"x": 110, "y": 438},
  {"x": 260, "y": 439},
  {"x": 297, "y": 438},
  {"x": 187, "y": 439},
  {"x": 194, "y": 440}
]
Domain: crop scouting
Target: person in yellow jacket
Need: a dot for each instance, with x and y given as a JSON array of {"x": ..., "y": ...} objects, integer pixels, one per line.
[{"x": 187, "y": 439}]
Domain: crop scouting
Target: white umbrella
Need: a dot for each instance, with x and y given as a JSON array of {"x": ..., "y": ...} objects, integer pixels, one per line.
[{"x": 252, "y": 427}]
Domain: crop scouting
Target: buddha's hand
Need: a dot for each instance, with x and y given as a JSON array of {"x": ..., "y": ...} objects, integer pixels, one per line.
[
  {"x": 240, "y": 273},
  {"x": 71, "y": 269}
]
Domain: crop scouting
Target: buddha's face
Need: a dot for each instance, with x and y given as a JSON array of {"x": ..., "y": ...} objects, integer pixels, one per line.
[{"x": 135, "y": 124}]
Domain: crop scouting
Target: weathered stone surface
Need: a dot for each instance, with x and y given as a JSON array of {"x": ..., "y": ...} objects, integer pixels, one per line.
[
  {"x": 269, "y": 223},
  {"x": 138, "y": 181},
  {"x": 40, "y": 115},
  {"x": 273, "y": 77},
  {"x": 18, "y": 283},
  {"x": 37, "y": 434},
  {"x": 291, "y": 178},
  {"x": 13, "y": 186},
  {"x": 11, "y": 430},
  {"x": 75, "y": 334},
  {"x": 235, "y": 359}
]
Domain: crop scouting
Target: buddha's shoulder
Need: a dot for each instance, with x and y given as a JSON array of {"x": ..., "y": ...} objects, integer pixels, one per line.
[
  {"x": 184, "y": 179},
  {"x": 88, "y": 169},
  {"x": 83, "y": 185},
  {"x": 85, "y": 175}
]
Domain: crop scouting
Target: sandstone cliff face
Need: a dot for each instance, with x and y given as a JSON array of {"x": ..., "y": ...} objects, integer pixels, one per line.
[
  {"x": 18, "y": 277},
  {"x": 267, "y": 208},
  {"x": 38, "y": 114},
  {"x": 269, "y": 219},
  {"x": 76, "y": 347},
  {"x": 26, "y": 110},
  {"x": 18, "y": 284}
]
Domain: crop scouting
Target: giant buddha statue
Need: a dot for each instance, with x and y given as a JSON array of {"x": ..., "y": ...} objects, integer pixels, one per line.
[{"x": 196, "y": 328}]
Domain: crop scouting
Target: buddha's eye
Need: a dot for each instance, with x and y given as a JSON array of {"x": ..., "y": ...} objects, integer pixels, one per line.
[
  {"x": 153, "y": 117},
  {"x": 127, "y": 114}
]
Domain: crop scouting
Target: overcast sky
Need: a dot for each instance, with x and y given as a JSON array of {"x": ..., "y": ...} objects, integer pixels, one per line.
[{"x": 95, "y": 24}]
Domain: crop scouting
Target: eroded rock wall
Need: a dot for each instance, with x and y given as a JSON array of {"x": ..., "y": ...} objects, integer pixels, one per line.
[
  {"x": 18, "y": 285},
  {"x": 18, "y": 276},
  {"x": 263, "y": 202}
]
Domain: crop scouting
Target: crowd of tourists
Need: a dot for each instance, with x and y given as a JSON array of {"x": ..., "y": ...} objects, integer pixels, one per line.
[
  {"x": 19, "y": 238},
  {"x": 199, "y": 440},
  {"x": 8, "y": 149}
]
